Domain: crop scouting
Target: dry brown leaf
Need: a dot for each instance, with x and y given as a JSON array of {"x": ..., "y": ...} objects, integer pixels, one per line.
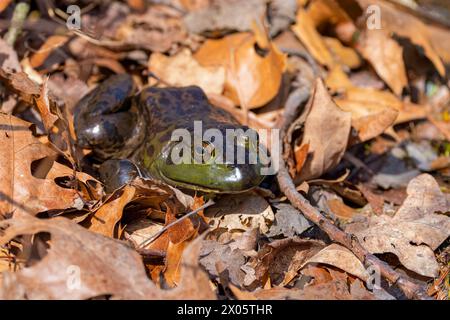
[
  {"x": 221, "y": 15},
  {"x": 327, "y": 129},
  {"x": 439, "y": 39},
  {"x": 340, "y": 209},
  {"x": 337, "y": 80},
  {"x": 280, "y": 260},
  {"x": 252, "y": 78},
  {"x": 343, "y": 55},
  {"x": 9, "y": 60},
  {"x": 21, "y": 84},
  {"x": 386, "y": 56},
  {"x": 369, "y": 119},
  {"x": 300, "y": 155},
  {"x": 4, "y": 4},
  {"x": 442, "y": 125},
  {"x": 183, "y": 70},
  {"x": 372, "y": 111},
  {"x": 158, "y": 29},
  {"x": 324, "y": 11},
  {"x": 20, "y": 190},
  {"x": 415, "y": 231},
  {"x": 342, "y": 258},
  {"x": 333, "y": 290},
  {"x": 81, "y": 264},
  {"x": 51, "y": 43},
  {"x": 406, "y": 25},
  {"x": 241, "y": 212},
  {"x": 43, "y": 105},
  {"x": 172, "y": 272},
  {"x": 138, "y": 5},
  {"x": 306, "y": 31},
  {"x": 106, "y": 217}
]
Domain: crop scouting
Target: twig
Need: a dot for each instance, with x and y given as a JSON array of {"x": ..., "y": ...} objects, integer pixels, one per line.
[
  {"x": 287, "y": 186},
  {"x": 17, "y": 21},
  {"x": 160, "y": 232}
]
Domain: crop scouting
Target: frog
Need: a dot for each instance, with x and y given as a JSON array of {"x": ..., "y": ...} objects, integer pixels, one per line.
[{"x": 131, "y": 133}]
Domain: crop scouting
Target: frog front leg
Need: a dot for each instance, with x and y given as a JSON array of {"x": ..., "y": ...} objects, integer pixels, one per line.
[
  {"x": 116, "y": 173},
  {"x": 108, "y": 121}
]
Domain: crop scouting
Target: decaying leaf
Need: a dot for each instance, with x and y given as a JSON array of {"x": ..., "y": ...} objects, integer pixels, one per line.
[
  {"x": 183, "y": 70},
  {"x": 158, "y": 29},
  {"x": 148, "y": 192},
  {"x": 386, "y": 56},
  {"x": 80, "y": 264},
  {"x": 106, "y": 217},
  {"x": 415, "y": 231},
  {"x": 346, "y": 56},
  {"x": 288, "y": 222},
  {"x": 241, "y": 212},
  {"x": 342, "y": 258},
  {"x": 327, "y": 129},
  {"x": 306, "y": 31},
  {"x": 405, "y": 25},
  {"x": 52, "y": 43},
  {"x": 221, "y": 15},
  {"x": 253, "y": 77},
  {"x": 280, "y": 260},
  {"x": 231, "y": 256},
  {"x": 372, "y": 111},
  {"x": 8, "y": 58},
  {"x": 22, "y": 191}
]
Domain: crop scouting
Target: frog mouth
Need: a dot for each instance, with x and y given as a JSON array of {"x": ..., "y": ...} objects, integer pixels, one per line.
[{"x": 211, "y": 189}]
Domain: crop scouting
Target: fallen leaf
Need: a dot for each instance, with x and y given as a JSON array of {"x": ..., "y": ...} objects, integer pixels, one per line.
[
  {"x": 252, "y": 78},
  {"x": 8, "y": 57},
  {"x": 231, "y": 257},
  {"x": 183, "y": 70},
  {"x": 288, "y": 222},
  {"x": 340, "y": 209},
  {"x": 325, "y": 11},
  {"x": 327, "y": 129},
  {"x": 282, "y": 14},
  {"x": 158, "y": 29},
  {"x": 280, "y": 260},
  {"x": 372, "y": 111},
  {"x": 51, "y": 43},
  {"x": 306, "y": 31},
  {"x": 405, "y": 25},
  {"x": 343, "y": 55},
  {"x": 386, "y": 56},
  {"x": 43, "y": 105},
  {"x": 241, "y": 212},
  {"x": 20, "y": 190},
  {"x": 333, "y": 290},
  {"x": 95, "y": 265},
  {"x": 221, "y": 15},
  {"x": 109, "y": 214},
  {"x": 416, "y": 230},
  {"x": 342, "y": 258},
  {"x": 4, "y": 5},
  {"x": 300, "y": 154}
]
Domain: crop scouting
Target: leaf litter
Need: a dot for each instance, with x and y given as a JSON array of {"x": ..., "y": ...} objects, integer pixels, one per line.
[{"x": 367, "y": 145}]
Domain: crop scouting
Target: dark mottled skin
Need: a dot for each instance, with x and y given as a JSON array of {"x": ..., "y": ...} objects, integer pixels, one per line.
[{"x": 118, "y": 125}]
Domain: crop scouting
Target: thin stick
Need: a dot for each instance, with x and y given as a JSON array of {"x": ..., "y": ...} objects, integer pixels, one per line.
[
  {"x": 156, "y": 236},
  {"x": 18, "y": 19},
  {"x": 287, "y": 186}
]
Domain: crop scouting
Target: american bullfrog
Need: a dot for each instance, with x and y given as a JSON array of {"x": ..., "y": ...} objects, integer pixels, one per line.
[{"x": 132, "y": 135}]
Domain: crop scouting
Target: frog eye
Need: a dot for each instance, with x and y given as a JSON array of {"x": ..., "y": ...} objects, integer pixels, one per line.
[{"x": 205, "y": 153}]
